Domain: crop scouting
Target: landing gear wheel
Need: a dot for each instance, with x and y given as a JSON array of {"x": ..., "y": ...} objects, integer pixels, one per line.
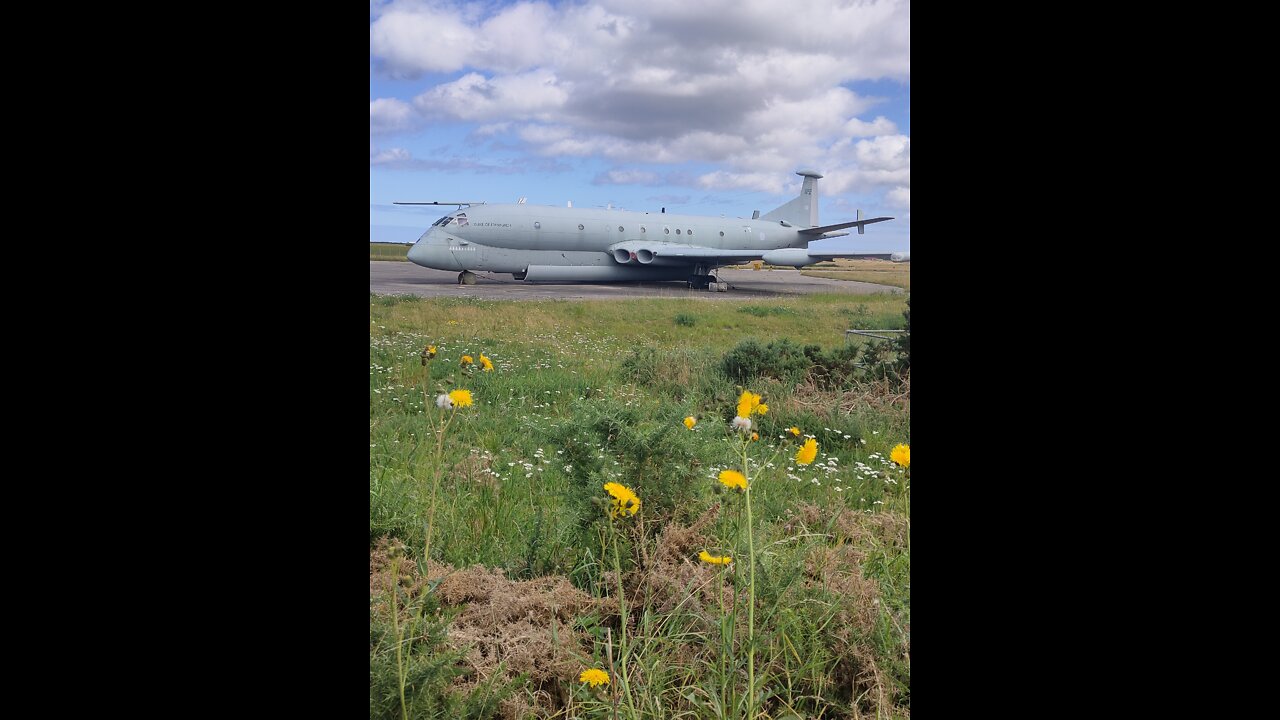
[
  {"x": 700, "y": 282},
  {"x": 466, "y": 277}
]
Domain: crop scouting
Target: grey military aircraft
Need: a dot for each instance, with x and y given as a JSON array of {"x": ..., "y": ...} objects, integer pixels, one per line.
[{"x": 556, "y": 245}]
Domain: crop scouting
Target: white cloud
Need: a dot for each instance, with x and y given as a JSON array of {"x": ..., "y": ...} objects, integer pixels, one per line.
[
  {"x": 887, "y": 152},
  {"x": 389, "y": 115},
  {"x": 627, "y": 177},
  {"x": 899, "y": 197},
  {"x": 879, "y": 126},
  {"x": 412, "y": 38},
  {"x": 755, "y": 86},
  {"x": 475, "y": 97},
  {"x": 765, "y": 182},
  {"x": 391, "y": 156}
]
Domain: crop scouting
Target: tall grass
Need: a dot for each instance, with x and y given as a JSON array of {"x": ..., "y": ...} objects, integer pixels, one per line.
[
  {"x": 389, "y": 251},
  {"x": 812, "y": 617}
]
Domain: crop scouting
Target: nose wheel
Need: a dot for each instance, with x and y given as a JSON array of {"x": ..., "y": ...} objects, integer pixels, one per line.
[{"x": 466, "y": 277}]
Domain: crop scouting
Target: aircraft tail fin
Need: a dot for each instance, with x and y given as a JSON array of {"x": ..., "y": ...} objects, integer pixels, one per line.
[{"x": 801, "y": 211}]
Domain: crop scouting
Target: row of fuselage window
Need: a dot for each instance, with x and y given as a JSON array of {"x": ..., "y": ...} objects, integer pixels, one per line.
[{"x": 538, "y": 226}]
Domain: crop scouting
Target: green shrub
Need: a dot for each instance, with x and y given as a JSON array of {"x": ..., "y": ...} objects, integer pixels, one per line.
[
  {"x": 685, "y": 319},
  {"x": 750, "y": 361}
]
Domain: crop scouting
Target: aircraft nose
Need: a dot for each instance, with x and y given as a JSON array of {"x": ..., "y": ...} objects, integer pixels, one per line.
[{"x": 418, "y": 254}]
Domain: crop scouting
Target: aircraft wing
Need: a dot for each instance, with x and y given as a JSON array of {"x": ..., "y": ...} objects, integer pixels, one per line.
[
  {"x": 714, "y": 256},
  {"x": 782, "y": 256},
  {"x": 832, "y": 256}
]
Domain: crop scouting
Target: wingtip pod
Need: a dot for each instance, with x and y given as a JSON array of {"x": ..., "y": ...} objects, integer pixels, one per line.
[{"x": 901, "y": 256}]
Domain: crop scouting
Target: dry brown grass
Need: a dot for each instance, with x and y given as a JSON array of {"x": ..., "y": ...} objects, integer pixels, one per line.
[
  {"x": 504, "y": 627},
  {"x": 881, "y": 272},
  {"x": 834, "y": 567},
  {"x": 880, "y": 396}
]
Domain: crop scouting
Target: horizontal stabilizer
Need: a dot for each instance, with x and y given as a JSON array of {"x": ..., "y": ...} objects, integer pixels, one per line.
[
  {"x": 855, "y": 223},
  {"x": 436, "y": 203}
]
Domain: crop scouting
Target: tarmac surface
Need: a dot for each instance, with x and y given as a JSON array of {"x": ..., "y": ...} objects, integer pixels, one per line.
[{"x": 405, "y": 278}]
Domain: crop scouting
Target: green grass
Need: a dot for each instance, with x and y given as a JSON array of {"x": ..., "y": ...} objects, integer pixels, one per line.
[
  {"x": 389, "y": 251},
  {"x": 586, "y": 393}
]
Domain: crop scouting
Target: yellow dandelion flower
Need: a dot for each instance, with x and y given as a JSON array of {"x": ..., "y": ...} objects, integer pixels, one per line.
[
  {"x": 806, "y": 454},
  {"x": 486, "y": 362},
  {"x": 733, "y": 478},
  {"x": 466, "y": 360},
  {"x": 901, "y": 454},
  {"x": 747, "y": 403},
  {"x": 755, "y": 436},
  {"x": 794, "y": 431},
  {"x": 709, "y": 558},
  {"x": 762, "y": 409},
  {"x": 460, "y": 398},
  {"x": 625, "y": 502},
  {"x": 690, "y": 421},
  {"x": 594, "y": 677}
]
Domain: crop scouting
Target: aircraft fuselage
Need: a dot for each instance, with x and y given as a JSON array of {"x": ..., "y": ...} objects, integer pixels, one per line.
[{"x": 511, "y": 238}]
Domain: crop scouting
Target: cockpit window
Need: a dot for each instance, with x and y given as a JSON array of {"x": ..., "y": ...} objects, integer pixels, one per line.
[{"x": 442, "y": 221}]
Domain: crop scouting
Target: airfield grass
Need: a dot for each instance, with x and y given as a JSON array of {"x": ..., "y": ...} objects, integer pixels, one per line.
[
  {"x": 389, "y": 251},
  {"x": 521, "y": 591},
  {"x": 881, "y": 272}
]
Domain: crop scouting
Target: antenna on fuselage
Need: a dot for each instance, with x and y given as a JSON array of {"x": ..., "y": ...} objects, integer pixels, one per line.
[
  {"x": 755, "y": 214},
  {"x": 569, "y": 204},
  {"x": 521, "y": 202}
]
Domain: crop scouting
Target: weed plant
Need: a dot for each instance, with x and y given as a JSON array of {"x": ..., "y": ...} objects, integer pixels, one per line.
[{"x": 515, "y": 579}]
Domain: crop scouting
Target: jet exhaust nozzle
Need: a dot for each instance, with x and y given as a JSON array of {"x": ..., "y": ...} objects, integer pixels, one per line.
[
  {"x": 622, "y": 255},
  {"x": 645, "y": 256}
]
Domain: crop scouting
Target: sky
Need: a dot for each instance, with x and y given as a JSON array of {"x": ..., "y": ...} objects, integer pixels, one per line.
[{"x": 705, "y": 107}]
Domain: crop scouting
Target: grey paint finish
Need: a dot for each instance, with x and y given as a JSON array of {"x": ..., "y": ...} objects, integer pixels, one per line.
[{"x": 612, "y": 245}]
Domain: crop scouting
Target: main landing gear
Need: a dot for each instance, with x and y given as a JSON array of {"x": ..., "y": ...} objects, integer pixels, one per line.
[
  {"x": 466, "y": 277},
  {"x": 701, "y": 279}
]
